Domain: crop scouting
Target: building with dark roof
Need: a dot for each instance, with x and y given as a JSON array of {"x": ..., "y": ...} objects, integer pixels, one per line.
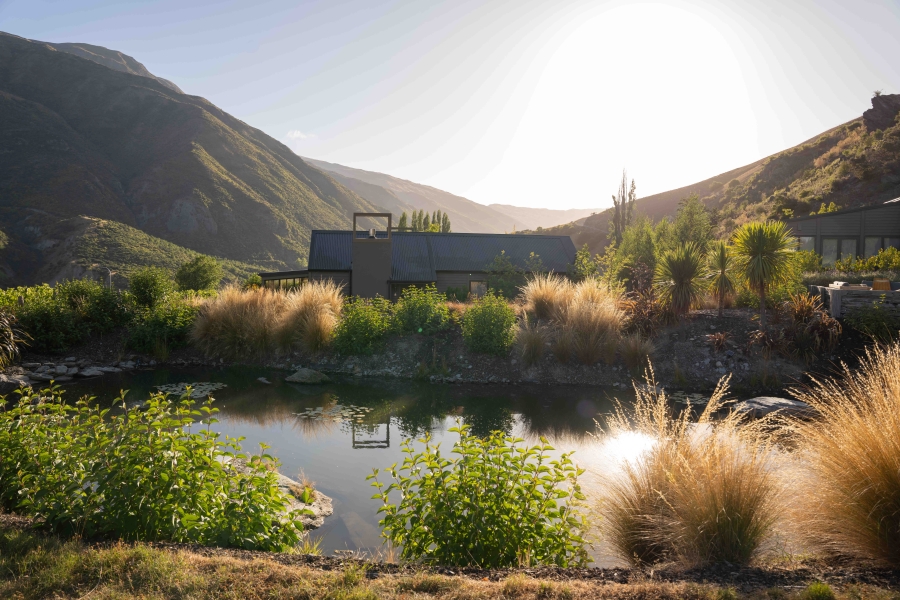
[
  {"x": 852, "y": 232},
  {"x": 370, "y": 263}
]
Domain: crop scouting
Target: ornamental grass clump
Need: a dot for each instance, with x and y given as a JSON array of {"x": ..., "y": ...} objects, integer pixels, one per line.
[
  {"x": 546, "y": 295},
  {"x": 495, "y": 504},
  {"x": 240, "y": 323},
  {"x": 591, "y": 323},
  {"x": 705, "y": 491},
  {"x": 309, "y": 316},
  {"x": 152, "y": 473},
  {"x": 531, "y": 340},
  {"x": 852, "y": 449}
]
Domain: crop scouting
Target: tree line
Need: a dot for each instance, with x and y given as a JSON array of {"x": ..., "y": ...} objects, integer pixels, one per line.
[{"x": 437, "y": 222}]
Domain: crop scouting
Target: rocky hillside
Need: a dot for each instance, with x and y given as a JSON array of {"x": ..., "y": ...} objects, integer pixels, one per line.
[
  {"x": 853, "y": 164},
  {"x": 79, "y": 138}
]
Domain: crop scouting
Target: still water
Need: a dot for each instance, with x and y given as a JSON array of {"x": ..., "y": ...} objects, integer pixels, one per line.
[{"x": 359, "y": 425}]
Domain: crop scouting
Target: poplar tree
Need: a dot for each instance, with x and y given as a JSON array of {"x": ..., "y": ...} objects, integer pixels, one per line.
[
  {"x": 426, "y": 222},
  {"x": 402, "y": 224},
  {"x": 445, "y": 223}
]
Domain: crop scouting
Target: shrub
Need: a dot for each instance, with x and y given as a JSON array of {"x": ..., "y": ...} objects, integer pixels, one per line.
[
  {"x": 363, "y": 327},
  {"x": 455, "y": 294},
  {"x": 531, "y": 338},
  {"x": 97, "y": 306},
  {"x": 421, "y": 310},
  {"x": 150, "y": 285},
  {"x": 238, "y": 323},
  {"x": 546, "y": 295},
  {"x": 700, "y": 493},
  {"x": 680, "y": 275},
  {"x": 887, "y": 259},
  {"x": 163, "y": 327},
  {"x": 852, "y": 449},
  {"x": 11, "y": 337},
  {"x": 636, "y": 351},
  {"x": 810, "y": 329},
  {"x": 644, "y": 313},
  {"x": 875, "y": 321},
  {"x": 201, "y": 273},
  {"x": 252, "y": 282},
  {"x": 309, "y": 316},
  {"x": 764, "y": 253},
  {"x": 720, "y": 266},
  {"x": 54, "y": 327},
  {"x": 139, "y": 474},
  {"x": 504, "y": 278},
  {"x": 487, "y": 325},
  {"x": 495, "y": 504},
  {"x": 591, "y": 322}
]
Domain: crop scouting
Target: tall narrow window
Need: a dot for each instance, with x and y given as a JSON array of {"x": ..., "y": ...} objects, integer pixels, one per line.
[
  {"x": 807, "y": 242},
  {"x": 848, "y": 249},
  {"x": 873, "y": 245},
  {"x": 829, "y": 251}
]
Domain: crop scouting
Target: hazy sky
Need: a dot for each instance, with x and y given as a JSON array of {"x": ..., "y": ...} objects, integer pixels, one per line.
[{"x": 512, "y": 101}]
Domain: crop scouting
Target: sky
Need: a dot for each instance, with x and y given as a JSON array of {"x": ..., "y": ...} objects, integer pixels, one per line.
[{"x": 523, "y": 102}]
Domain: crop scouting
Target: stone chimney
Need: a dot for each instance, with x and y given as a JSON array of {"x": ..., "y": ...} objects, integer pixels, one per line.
[{"x": 370, "y": 266}]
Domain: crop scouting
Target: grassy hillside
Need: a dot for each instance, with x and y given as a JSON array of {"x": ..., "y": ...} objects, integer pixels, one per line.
[
  {"x": 82, "y": 139},
  {"x": 466, "y": 215},
  {"x": 849, "y": 165}
]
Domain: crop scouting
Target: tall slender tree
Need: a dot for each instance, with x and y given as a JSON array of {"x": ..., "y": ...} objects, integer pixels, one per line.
[
  {"x": 416, "y": 221},
  {"x": 426, "y": 222},
  {"x": 445, "y": 223},
  {"x": 623, "y": 206},
  {"x": 402, "y": 224}
]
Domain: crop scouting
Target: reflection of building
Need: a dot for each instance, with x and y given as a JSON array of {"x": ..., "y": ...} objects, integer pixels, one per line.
[
  {"x": 358, "y": 442},
  {"x": 371, "y": 263},
  {"x": 850, "y": 233}
]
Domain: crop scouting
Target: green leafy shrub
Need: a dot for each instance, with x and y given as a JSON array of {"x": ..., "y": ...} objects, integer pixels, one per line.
[
  {"x": 139, "y": 474},
  {"x": 163, "y": 327},
  {"x": 487, "y": 326},
  {"x": 11, "y": 337},
  {"x": 421, "y": 310},
  {"x": 503, "y": 277},
  {"x": 99, "y": 307},
  {"x": 455, "y": 294},
  {"x": 495, "y": 504},
  {"x": 887, "y": 259},
  {"x": 363, "y": 326},
  {"x": 875, "y": 321},
  {"x": 201, "y": 273},
  {"x": 252, "y": 282},
  {"x": 150, "y": 285}
]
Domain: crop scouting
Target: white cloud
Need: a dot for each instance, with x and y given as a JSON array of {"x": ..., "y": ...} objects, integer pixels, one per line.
[{"x": 296, "y": 135}]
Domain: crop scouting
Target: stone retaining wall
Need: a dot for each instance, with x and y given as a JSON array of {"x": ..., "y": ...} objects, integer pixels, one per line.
[{"x": 840, "y": 302}]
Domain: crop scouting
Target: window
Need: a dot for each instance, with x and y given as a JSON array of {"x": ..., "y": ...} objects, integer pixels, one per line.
[
  {"x": 807, "y": 242},
  {"x": 873, "y": 245},
  {"x": 829, "y": 251},
  {"x": 478, "y": 288},
  {"x": 848, "y": 249},
  {"x": 892, "y": 242}
]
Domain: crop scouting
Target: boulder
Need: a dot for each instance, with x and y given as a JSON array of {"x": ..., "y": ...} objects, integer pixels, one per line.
[
  {"x": 89, "y": 372},
  {"x": 764, "y": 405},
  {"x": 883, "y": 112},
  {"x": 110, "y": 369},
  {"x": 307, "y": 376},
  {"x": 72, "y": 371},
  {"x": 10, "y": 383},
  {"x": 61, "y": 369}
]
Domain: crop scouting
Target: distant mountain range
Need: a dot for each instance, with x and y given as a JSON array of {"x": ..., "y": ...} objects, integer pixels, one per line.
[{"x": 853, "y": 164}]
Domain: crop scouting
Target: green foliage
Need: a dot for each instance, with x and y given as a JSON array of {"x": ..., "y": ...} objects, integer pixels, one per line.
[
  {"x": 100, "y": 308},
  {"x": 584, "y": 266},
  {"x": 252, "y": 282},
  {"x": 455, "y": 294},
  {"x": 139, "y": 474},
  {"x": 623, "y": 208},
  {"x": 875, "y": 321},
  {"x": 495, "y": 504},
  {"x": 818, "y": 591},
  {"x": 680, "y": 277},
  {"x": 164, "y": 326},
  {"x": 488, "y": 325},
  {"x": 150, "y": 285},
  {"x": 808, "y": 261},
  {"x": 421, "y": 310},
  {"x": 503, "y": 277},
  {"x": 403, "y": 223},
  {"x": 202, "y": 273},
  {"x": 887, "y": 259},
  {"x": 764, "y": 253},
  {"x": 53, "y": 326},
  {"x": 722, "y": 282},
  {"x": 363, "y": 326},
  {"x": 11, "y": 338},
  {"x": 692, "y": 223},
  {"x": 823, "y": 210}
]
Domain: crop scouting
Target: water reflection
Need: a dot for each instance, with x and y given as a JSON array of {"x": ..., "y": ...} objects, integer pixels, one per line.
[{"x": 362, "y": 423}]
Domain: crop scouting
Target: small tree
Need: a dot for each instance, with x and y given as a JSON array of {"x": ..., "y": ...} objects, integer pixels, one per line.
[
  {"x": 150, "y": 285},
  {"x": 426, "y": 222},
  {"x": 402, "y": 224},
  {"x": 692, "y": 223},
  {"x": 504, "y": 278},
  {"x": 584, "y": 266},
  {"x": 202, "y": 273},
  {"x": 721, "y": 264},
  {"x": 763, "y": 253},
  {"x": 445, "y": 223},
  {"x": 679, "y": 277},
  {"x": 623, "y": 207}
]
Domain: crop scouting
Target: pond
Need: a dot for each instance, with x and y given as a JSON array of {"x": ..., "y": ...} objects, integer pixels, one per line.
[{"x": 335, "y": 434}]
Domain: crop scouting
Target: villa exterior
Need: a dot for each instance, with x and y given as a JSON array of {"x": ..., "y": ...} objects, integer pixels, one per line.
[
  {"x": 850, "y": 232},
  {"x": 381, "y": 263}
]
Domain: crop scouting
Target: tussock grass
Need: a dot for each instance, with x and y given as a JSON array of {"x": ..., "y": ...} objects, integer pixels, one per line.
[
  {"x": 531, "y": 339},
  {"x": 592, "y": 322},
  {"x": 852, "y": 449},
  {"x": 636, "y": 351},
  {"x": 254, "y": 323},
  {"x": 704, "y": 492},
  {"x": 546, "y": 295}
]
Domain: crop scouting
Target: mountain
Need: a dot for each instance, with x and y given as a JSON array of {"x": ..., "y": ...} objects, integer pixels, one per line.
[
  {"x": 81, "y": 139},
  {"x": 397, "y": 195},
  {"x": 532, "y": 218},
  {"x": 853, "y": 164},
  {"x": 110, "y": 58}
]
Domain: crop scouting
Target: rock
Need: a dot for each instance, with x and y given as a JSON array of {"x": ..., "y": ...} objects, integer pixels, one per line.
[
  {"x": 126, "y": 364},
  {"x": 62, "y": 378},
  {"x": 44, "y": 376},
  {"x": 10, "y": 383},
  {"x": 72, "y": 371},
  {"x": 42, "y": 369},
  {"x": 31, "y": 365},
  {"x": 70, "y": 359},
  {"x": 90, "y": 372},
  {"x": 264, "y": 380},
  {"x": 764, "y": 405},
  {"x": 61, "y": 369},
  {"x": 152, "y": 363},
  {"x": 307, "y": 376},
  {"x": 883, "y": 112},
  {"x": 110, "y": 369}
]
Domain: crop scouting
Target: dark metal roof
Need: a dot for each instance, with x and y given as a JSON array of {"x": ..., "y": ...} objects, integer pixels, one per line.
[{"x": 418, "y": 256}]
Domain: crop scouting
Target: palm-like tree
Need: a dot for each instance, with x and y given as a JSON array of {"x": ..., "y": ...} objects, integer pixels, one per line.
[
  {"x": 721, "y": 264},
  {"x": 763, "y": 256},
  {"x": 680, "y": 277}
]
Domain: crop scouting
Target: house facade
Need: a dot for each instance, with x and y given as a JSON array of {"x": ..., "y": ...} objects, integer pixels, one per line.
[
  {"x": 382, "y": 262},
  {"x": 853, "y": 232}
]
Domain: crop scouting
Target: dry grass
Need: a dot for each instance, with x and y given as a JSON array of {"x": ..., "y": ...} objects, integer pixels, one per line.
[
  {"x": 591, "y": 323},
  {"x": 636, "y": 351},
  {"x": 547, "y": 295},
  {"x": 531, "y": 339},
  {"x": 852, "y": 493},
  {"x": 258, "y": 322},
  {"x": 705, "y": 491}
]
